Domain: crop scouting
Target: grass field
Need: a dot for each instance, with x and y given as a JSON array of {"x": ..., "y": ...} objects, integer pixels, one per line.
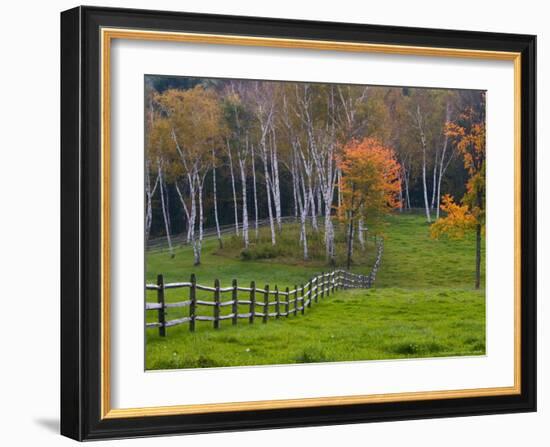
[{"x": 423, "y": 303}]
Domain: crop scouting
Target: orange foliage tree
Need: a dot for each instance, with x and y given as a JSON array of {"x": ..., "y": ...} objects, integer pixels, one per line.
[
  {"x": 370, "y": 183},
  {"x": 468, "y": 134}
]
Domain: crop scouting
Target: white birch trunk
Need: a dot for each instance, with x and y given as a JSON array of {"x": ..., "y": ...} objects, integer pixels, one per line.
[
  {"x": 197, "y": 243},
  {"x": 400, "y": 194},
  {"x": 193, "y": 210},
  {"x": 424, "y": 150},
  {"x": 319, "y": 203},
  {"x": 294, "y": 192},
  {"x": 352, "y": 237},
  {"x": 148, "y": 203},
  {"x": 149, "y": 193},
  {"x": 275, "y": 179},
  {"x": 339, "y": 188},
  {"x": 164, "y": 211},
  {"x": 442, "y": 164},
  {"x": 234, "y": 189},
  {"x": 254, "y": 192},
  {"x": 405, "y": 175},
  {"x": 268, "y": 191},
  {"x": 303, "y": 236},
  {"x": 303, "y": 208},
  {"x": 314, "y": 224},
  {"x": 186, "y": 210},
  {"x": 424, "y": 186},
  {"x": 360, "y": 234},
  {"x": 434, "y": 180},
  {"x": 242, "y": 166},
  {"x": 214, "y": 190}
]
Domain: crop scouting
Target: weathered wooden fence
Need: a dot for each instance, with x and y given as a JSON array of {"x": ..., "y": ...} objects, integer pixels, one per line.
[{"x": 272, "y": 302}]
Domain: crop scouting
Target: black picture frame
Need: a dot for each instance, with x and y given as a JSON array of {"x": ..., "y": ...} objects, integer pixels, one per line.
[{"x": 81, "y": 224}]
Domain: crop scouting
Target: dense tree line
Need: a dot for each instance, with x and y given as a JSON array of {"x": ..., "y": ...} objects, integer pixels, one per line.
[{"x": 222, "y": 152}]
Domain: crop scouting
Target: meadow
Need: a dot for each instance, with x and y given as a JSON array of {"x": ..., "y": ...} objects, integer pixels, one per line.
[{"x": 423, "y": 303}]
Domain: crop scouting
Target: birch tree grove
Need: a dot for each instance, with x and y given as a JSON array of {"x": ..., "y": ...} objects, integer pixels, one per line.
[
  {"x": 238, "y": 143},
  {"x": 194, "y": 123},
  {"x": 301, "y": 165},
  {"x": 222, "y": 152},
  {"x": 157, "y": 147},
  {"x": 320, "y": 129},
  {"x": 262, "y": 98},
  {"x": 431, "y": 109}
]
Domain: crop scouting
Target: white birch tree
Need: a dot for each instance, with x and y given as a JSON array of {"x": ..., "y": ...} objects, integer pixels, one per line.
[
  {"x": 233, "y": 188},
  {"x": 419, "y": 123},
  {"x": 164, "y": 207},
  {"x": 215, "y": 197},
  {"x": 149, "y": 193},
  {"x": 254, "y": 189},
  {"x": 262, "y": 102}
]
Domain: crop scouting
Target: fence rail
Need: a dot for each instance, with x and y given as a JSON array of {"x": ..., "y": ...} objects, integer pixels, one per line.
[{"x": 272, "y": 302}]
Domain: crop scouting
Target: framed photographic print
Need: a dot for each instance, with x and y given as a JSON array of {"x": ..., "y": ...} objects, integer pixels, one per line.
[{"x": 274, "y": 223}]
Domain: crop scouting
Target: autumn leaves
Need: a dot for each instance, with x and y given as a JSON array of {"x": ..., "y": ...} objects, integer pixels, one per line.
[
  {"x": 468, "y": 134},
  {"x": 370, "y": 185}
]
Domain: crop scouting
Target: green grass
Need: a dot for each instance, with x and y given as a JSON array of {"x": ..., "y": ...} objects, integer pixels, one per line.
[{"x": 423, "y": 303}]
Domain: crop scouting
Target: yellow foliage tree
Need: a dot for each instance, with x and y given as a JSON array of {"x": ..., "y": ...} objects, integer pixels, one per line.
[
  {"x": 457, "y": 222},
  {"x": 468, "y": 134}
]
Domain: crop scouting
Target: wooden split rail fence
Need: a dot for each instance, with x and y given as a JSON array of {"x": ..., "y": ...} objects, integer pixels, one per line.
[{"x": 274, "y": 303}]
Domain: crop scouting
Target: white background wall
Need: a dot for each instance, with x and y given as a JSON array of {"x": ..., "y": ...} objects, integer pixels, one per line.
[{"x": 29, "y": 219}]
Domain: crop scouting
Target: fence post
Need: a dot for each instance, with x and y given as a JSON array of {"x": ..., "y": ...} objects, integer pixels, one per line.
[
  {"x": 161, "y": 311},
  {"x": 277, "y": 303},
  {"x": 287, "y": 305},
  {"x": 303, "y": 299},
  {"x": 192, "y": 303},
  {"x": 252, "y": 308},
  {"x": 235, "y": 306},
  {"x": 295, "y": 300},
  {"x": 266, "y": 303},
  {"x": 217, "y": 304},
  {"x": 322, "y": 286},
  {"x": 309, "y": 295}
]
